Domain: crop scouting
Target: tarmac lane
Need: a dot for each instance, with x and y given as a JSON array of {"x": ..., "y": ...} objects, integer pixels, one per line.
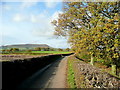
[{"x": 51, "y": 76}]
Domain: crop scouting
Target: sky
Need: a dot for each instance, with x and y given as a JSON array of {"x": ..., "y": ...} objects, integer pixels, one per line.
[{"x": 30, "y": 23}]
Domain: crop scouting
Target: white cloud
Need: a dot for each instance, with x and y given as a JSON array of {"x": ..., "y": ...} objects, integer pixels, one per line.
[
  {"x": 46, "y": 29},
  {"x": 43, "y": 22},
  {"x": 41, "y": 18},
  {"x": 33, "y": 19},
  {"x": 51, "y": 3},
  {"x": 43, "y": 32},
  {"x": 28, "y": 3},
  {"x": 18, "y": 18}
]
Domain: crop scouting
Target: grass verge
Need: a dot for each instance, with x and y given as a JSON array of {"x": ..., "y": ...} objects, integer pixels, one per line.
[{"x": 70, "y": 75}]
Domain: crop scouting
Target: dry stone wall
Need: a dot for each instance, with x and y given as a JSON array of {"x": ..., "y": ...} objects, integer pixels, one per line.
[{"x": 88, "y": 76}]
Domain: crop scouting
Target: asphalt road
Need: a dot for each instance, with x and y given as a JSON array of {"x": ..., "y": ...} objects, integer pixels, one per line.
[{"x": 52, "y": 76}]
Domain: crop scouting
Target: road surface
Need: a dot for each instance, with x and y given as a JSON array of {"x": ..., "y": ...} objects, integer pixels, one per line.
[{"x": 52, "y": 76}]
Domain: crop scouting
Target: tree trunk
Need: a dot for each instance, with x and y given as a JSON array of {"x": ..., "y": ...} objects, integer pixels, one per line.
[
  {"x": 92, "y": 60},
  {"x": 114, "y": 71}
]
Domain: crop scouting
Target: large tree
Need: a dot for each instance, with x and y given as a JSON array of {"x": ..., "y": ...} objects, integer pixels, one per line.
[{"x": 91, "y": 26}]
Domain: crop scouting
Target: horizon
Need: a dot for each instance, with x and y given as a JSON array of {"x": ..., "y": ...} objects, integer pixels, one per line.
[{"x": 30, "y": 44}]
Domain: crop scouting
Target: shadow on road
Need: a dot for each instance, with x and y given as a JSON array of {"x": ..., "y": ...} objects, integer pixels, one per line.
[{"x": 41, "y": 78}]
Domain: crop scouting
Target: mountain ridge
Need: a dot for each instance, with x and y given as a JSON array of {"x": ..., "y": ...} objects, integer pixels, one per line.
[{"x": 27, "y": 46}]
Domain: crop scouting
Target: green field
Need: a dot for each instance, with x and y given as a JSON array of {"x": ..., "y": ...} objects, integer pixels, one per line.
[
  {"x": 38, "y": 52},
  {"x": 51, "y": 52}
]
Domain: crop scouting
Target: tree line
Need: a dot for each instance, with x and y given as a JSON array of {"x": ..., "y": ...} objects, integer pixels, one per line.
[
  {"x": 35, "y": 49},
  {"x": 92, "y": 27}
]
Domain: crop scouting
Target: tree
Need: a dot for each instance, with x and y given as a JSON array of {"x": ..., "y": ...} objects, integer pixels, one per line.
[
  {"x": 14, "y": 49},
  {"x": 47, "y": 49},
  {"x": 112, "y": 34},
  {"x": 51, "y": 49},
  {"x": 38, "y": 49},
  {"x": 91, "y": 27},
  {"x": 59, "y": 49},
  {"x": 75, "y": 22},
  {"x": 3, "y": 50},
  {"x": 67, "y": 49}
]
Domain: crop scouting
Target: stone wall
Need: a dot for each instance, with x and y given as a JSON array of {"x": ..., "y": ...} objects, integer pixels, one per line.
[{"x": 88, "y": 76}]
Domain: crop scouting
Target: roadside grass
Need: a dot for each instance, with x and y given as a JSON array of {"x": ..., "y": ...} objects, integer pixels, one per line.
[{"x": 70, "y": 75}]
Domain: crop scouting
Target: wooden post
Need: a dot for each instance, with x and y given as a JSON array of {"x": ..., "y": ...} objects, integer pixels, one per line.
[
  {"x": 114, "y": 69},
  {"x": 92, "y": 60}
]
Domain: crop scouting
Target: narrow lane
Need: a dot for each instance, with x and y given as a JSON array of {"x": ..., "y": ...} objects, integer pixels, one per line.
[{"x": 53, "y": 76}]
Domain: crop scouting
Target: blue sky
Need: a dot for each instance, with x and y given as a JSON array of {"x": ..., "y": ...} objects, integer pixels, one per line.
[{"x": 30, "y": 23}]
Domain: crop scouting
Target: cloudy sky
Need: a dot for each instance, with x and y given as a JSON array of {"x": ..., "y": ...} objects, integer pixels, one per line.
[{"x": 30, "y": 23}]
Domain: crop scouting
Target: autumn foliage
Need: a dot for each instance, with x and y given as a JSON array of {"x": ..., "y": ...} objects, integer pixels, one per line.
[{"x": 92, "y": 27}]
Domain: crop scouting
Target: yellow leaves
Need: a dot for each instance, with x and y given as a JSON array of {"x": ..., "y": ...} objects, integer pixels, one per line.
[
  {"x": 105, "y": 42},
  {"x": 108, "y": 25},
  {"x": 116, "y": 41},
  {"x": 113, "y": 48},
  {"x": 90, "y": 53},
  {"x": 84, "y": 39},
  {"x": 112, "y": 3},
  {"x": 116, "y": 17},
  {"x": 115, "y": 55},
  {"x": 116, "y": 26},
  {"x": 99, "y": 35},
  {"x": 116, "y": 45},
  {"x": 76, "y": 36},
  {"x": 95, "y": 40},
  {"x": 110, "y": 20},
  {"x": 108, "y": 49}
]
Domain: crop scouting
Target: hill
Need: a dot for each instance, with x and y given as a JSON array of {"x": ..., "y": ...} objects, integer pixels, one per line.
[{"x": 25, "y": 46}]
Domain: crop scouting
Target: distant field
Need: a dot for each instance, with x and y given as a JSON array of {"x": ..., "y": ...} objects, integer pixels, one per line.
[
  {"x": 38, "y": 52},
  {"x": 25, "y": 54},
  {"x": 51, "y": 52}
]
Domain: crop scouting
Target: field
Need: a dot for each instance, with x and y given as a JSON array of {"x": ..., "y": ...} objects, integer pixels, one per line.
[
  {"x": 27, "y": 54},
  {"x": 37, "y": 52},
  {"x": 51, "y": 52}
]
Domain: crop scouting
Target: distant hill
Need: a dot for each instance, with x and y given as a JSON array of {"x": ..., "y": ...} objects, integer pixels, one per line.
[{"x": 25, "y": 46}]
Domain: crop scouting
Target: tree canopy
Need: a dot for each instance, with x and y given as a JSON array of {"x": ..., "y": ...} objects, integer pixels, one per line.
[{"x": 91, "y": 26}]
